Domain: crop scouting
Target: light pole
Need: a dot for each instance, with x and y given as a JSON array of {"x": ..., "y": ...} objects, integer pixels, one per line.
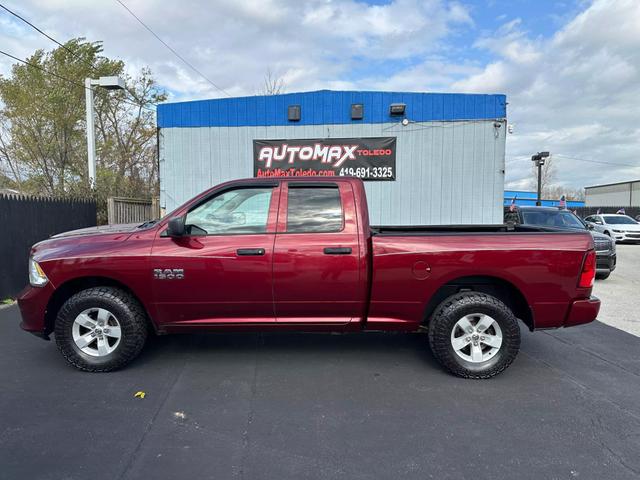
[
  {"x": 108, "y": 83},
  {"x": 539, "y": 159}
]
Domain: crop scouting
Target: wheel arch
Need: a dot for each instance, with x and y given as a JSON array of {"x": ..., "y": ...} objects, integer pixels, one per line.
[
  {"x": 498, "y": 287},
  {"x": 75, "y": 285}
]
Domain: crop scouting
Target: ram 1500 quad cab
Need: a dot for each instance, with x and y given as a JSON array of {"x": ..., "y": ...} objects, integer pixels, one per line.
[{"x": 299, "y": 254}]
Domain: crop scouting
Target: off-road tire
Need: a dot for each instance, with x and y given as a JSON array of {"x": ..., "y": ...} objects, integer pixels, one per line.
[
  {"x": 453, "y": 309},
  {"x": 130, "y": 315}
]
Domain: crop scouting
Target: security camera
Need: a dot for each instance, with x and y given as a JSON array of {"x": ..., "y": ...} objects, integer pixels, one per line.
[{"x": 405, "y": 121}]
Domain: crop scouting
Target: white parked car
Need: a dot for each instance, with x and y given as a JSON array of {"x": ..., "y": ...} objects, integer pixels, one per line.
[{"x": 621, "y": 227}]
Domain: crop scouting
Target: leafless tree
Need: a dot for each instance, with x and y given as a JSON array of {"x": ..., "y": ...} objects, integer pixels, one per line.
[
  {"x": 273, "y": 84},
  {"x": 554, "y": 192},
  {"x": 550, "y": 189}
]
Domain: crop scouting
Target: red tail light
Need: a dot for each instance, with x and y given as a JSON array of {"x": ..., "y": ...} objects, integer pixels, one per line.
[{"x": 588, "y": 270}]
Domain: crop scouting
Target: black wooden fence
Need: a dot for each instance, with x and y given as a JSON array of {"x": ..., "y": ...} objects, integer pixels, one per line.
[
  {"x": 27, "y": 220},
  {"x": 586, "y": 211}
]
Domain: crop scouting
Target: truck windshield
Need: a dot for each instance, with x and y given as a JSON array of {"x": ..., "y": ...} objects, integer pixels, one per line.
[{"x": 552, "y": 218}]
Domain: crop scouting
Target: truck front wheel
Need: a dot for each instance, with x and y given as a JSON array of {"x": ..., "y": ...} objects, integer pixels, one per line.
[
  {"x": 100, "y": 329},
  {"x": 474, "y": 335}
]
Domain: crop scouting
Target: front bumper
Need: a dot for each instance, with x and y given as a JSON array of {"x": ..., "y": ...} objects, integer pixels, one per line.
[
  {"x": 582, "y": 311},
  {"x": 605, "y": 262},
  {"x": 626, "y": 236},
  {"x": 32, "y": 302}
]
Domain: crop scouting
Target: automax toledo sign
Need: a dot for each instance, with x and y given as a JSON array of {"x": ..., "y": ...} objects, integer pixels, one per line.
[{"x": 365, "y": 158}]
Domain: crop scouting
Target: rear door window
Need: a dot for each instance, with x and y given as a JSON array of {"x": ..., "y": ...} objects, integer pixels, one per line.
[{"x": 314, "y": 210}]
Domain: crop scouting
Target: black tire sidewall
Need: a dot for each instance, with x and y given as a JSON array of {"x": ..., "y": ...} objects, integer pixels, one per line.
[
  {"x": 460, "y": 305},
  {"x": 116, "y": 302}
]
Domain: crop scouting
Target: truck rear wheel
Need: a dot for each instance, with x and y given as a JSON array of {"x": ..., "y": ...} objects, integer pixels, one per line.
[
  {"x": 100, "y": 329},
  {"x": 474, "y": 335}
]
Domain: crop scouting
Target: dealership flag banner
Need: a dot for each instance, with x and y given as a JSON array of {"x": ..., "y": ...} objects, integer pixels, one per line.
[{"x": 365, "y": 158}]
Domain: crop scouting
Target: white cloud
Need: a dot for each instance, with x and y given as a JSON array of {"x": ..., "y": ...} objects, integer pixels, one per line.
[
  {"x": 310, "y": 43},
  {"x": 576, "y": 94},
  {"x": 511, "y": 43}
]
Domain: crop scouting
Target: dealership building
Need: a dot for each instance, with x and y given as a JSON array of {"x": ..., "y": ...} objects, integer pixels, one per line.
[
  {"x": 621, "y": 194},
  {"x": 426, "y": 158}
]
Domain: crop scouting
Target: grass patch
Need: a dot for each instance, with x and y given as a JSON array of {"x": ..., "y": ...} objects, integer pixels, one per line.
[{"x": 7, "y": 301}]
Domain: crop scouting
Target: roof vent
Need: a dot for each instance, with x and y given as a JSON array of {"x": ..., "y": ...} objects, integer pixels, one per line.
[
  {"x": 397, "y": 109},
  {"x": 357, "y": 111},
  {"x": 293, "y": 113}
]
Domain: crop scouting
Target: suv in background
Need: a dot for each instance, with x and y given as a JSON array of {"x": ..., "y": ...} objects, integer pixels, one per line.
[{"x": 564, "y": 219}]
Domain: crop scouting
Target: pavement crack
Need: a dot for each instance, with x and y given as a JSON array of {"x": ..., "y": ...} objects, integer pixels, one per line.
[
  {"x": 597, "y": 426},
  {"x": 593, "y": 354},
  {"x": 245, "y": 434},
  {"x": 582, "y": 386},
  {"x": 594, "y": 438},
  {"x": 147, "y": 429}
]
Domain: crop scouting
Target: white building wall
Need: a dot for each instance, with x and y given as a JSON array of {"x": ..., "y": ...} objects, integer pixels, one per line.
[
  {"x": 618, "y": 195},
  {"x": 635, "y": 194},
  {"x": 446, "y": 172}
]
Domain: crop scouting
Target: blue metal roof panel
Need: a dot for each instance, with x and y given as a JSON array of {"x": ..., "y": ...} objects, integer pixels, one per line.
[
  {"x": 330, "y": 107},
  {"x": 529, "y": 199},
  {"x": 526, "y": 202}
]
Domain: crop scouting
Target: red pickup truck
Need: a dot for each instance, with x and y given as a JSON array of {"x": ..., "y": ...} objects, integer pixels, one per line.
[{"x": 299, "y": 254}]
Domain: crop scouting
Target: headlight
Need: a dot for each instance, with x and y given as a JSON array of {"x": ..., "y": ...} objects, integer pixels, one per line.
[
  {"x": 618, "y": 231},
  {"x": 37, "y": 278}
]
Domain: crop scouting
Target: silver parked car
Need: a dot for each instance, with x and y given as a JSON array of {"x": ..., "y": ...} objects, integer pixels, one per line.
[{"x": 622, "y": 228}]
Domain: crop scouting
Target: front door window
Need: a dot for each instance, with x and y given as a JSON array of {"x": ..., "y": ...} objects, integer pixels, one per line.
[{"x": 244, "y": 210}]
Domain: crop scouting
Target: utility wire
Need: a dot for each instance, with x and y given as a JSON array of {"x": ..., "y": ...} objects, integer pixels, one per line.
[
  {"x": 37, "y": 29},
  {"x": 561, "y": 155},
  {"x": 74, "y": 54},
  {"x": 172, "y": 50},
  {"x": 598, "y": 161},
  {"x": 66, "y": 79}
]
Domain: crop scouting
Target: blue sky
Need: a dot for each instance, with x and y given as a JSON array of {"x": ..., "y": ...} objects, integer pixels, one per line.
[
  {"x": 540, "y": 19},
  {"x": 570, "y": 69}
]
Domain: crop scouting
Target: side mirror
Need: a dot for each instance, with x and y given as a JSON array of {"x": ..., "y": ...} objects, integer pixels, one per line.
[
  {"x": 175, "y": 227},
  {"x": 590, "y": 226}
]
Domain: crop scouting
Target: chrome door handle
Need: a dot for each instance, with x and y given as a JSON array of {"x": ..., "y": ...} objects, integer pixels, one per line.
[
  {"x": 337, "y": 250},
  {"x": 250, "y": 251}
]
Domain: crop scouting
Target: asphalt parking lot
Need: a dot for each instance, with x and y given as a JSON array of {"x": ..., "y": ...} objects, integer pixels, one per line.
[
  {"x": 330, "y": 406},
  {"x": 621, "y": 291}
]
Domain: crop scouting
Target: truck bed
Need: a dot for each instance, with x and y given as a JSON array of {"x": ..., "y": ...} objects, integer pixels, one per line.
[{"x": 415, "y": 262}]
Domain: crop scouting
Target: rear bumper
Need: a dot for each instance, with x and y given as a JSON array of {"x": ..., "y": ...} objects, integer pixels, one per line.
[
  {"x": 32, "y": 302},
  {"x": 582, "y": 311}
]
